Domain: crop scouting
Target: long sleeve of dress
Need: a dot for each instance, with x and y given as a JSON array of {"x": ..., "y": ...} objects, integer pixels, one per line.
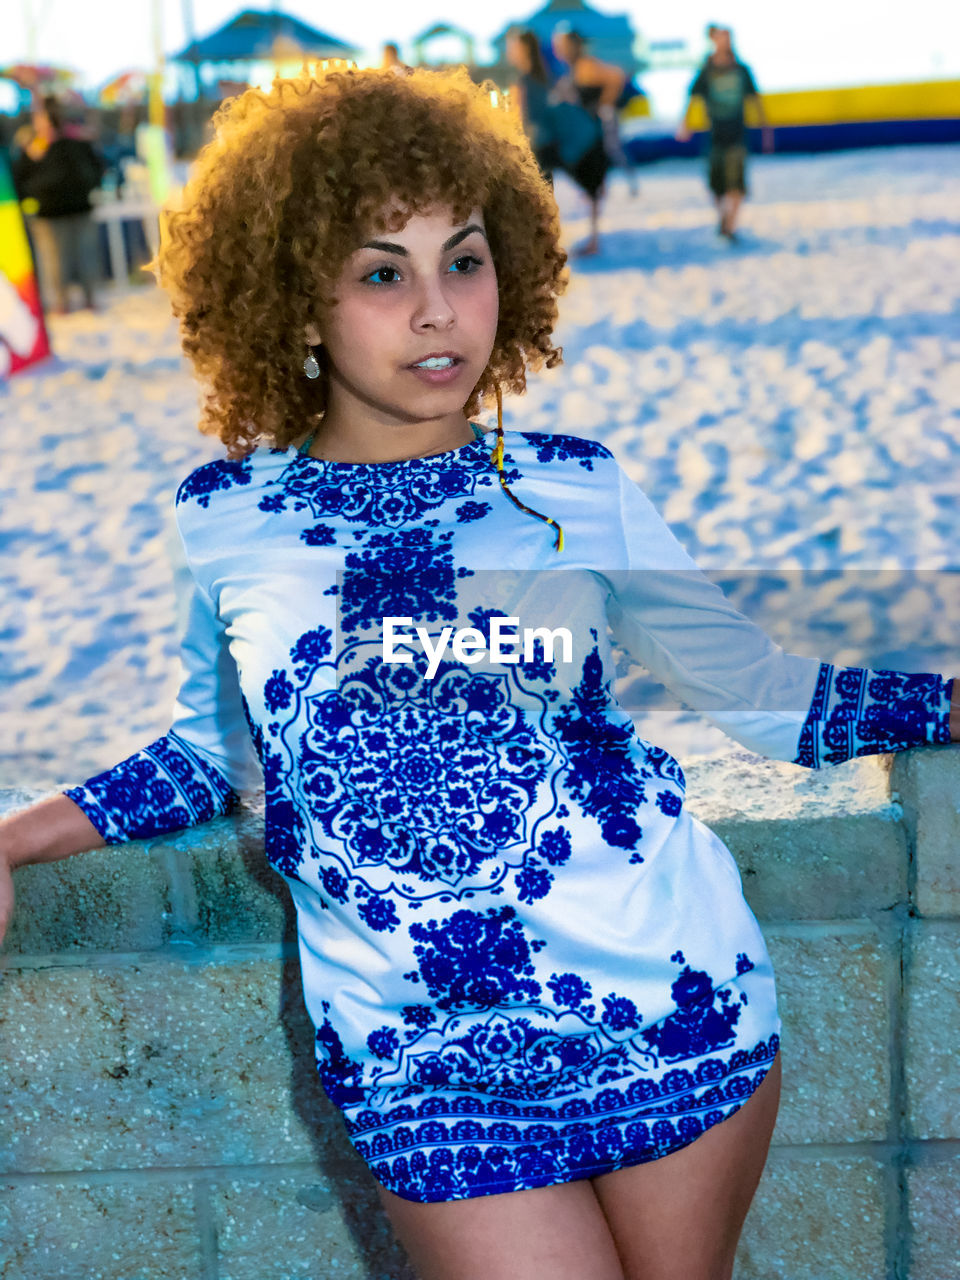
[
  {"x": 682, "y": 628},
  {"x": 197, "y": 769}
]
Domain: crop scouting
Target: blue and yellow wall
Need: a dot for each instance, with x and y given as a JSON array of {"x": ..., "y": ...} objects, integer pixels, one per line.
[{"x": 830, "y": 119}]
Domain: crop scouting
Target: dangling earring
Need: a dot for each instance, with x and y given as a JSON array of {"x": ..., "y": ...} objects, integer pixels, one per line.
[{"x": 310, "y": 366}]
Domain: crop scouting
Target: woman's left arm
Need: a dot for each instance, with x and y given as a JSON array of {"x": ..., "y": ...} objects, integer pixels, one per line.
[{"x": 681, "y": 626}]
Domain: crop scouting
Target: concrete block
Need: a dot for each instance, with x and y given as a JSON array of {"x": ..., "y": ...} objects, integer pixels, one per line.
[
  {"x": 160, "y": 1064},
  {"x": 816, "y": 1219},
  {"x": 740, "y": 784},
  {"x": 830, "y": 868},
  {"x": 305, "y": 1228},
  {"x": 810, "y": 844},
  {"x": 114, "y": 899},
  {"x": 928, "y": 784},
  {"x": 77, "y": 1231},
  {"x": 239, "y": 897},
  {"x": 932, "y": 1016},
  {"x": 933, "y": 1198},
  {"x": 833, "y": 993}
]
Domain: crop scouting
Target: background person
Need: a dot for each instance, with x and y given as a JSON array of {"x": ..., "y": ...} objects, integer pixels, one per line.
[
  {"x": 532, "y": 89},
  {"x": 724, "y": 83},
  {"x": 391, "y": 61},
  {"x": 591, "y": 85},
  {"x": 600, "y": 87},
  {"x": 58, "y": 170},
  {"x": 563, "y": 133}
]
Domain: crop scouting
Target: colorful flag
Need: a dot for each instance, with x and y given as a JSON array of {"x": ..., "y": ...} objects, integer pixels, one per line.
[{"x": 23, "y": 334}]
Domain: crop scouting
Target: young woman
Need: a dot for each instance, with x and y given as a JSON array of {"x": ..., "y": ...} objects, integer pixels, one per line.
[
  {"x": 541, "y": 1002},
  {"x": 532, "y": 89},
  {"x": 563, "y": 133},
  {"x": 598, "y": 87}
]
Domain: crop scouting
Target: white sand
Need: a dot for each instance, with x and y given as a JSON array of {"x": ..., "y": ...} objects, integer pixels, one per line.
[{"x": 791, "y": 403}]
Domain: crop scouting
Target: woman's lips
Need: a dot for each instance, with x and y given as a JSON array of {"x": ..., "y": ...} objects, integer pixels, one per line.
[{"x": 439, "y": 377}]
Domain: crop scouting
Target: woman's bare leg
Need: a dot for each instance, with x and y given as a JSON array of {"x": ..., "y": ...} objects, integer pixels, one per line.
[
  {"x": 550, "y": 1233},
  {"x": 680, "y": 1217},
  {"x": 592, "y": 245}
]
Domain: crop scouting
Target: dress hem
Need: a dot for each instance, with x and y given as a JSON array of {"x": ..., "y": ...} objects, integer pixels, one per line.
[{"x": 534, "y": 1183}]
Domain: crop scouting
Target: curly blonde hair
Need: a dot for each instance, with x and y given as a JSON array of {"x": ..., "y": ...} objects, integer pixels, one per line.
[{"x": 281, "y": 196}]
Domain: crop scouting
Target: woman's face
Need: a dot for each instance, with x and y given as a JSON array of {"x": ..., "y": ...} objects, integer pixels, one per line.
[
  {"x": 427, "y": 291},
  {"x": 566, "y": 47},
  {"x": 517, "y": 54},
  {"x": 44, "y": 126}
]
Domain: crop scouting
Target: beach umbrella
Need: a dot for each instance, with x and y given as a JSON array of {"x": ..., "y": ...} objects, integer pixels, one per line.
[
  {"x": 42, "y": 78},
  {"x": 130, "y": 86}
]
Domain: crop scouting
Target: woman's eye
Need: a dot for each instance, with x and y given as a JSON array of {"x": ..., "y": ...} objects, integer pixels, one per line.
[
  {"x": 466, "y": 265},
  {"x": 381, "y": 271}
]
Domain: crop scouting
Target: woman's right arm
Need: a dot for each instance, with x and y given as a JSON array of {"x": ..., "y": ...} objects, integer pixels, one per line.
[
  {"x": 50, "y": 829},
  {"x": 194, "y": 773}
]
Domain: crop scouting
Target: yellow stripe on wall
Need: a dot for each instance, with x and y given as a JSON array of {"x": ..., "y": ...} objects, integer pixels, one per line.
[
  {"x": 636, "y": 107},
  {"x": 924, "y": 100}
]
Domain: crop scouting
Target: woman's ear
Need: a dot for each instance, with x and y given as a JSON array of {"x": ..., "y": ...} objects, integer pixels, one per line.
[{"x": 312, "y": 336}]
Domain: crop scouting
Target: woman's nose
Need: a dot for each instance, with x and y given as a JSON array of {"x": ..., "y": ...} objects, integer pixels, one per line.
[{"x": 433, "y": 309}]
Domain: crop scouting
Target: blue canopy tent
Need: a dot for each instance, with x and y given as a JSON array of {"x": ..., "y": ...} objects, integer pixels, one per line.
[
  {"x": 257, "y": 36},
  {"x": 609, "y": 36}
]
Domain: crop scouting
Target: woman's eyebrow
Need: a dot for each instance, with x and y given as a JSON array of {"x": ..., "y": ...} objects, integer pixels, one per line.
[
  {"x": 386, "y": 247},
  {"x": 462, "y": 235}
]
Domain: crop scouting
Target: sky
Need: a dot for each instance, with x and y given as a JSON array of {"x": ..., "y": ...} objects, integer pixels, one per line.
[{"x": 821, "y": 42}]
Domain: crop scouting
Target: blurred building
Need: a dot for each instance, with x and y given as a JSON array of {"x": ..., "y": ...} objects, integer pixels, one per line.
[
  {"x": 670, "y": 55},
  {"x": 444, "y": 43},
  {"x": 254, "y": 45}
]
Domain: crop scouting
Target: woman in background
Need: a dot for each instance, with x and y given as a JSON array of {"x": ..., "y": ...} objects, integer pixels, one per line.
[
  {"x": 593, "y": 86},
  {"x": 57, "y": 171},
  {"x": 597, "y": 86},
  {"x": 533, "y": 96}
]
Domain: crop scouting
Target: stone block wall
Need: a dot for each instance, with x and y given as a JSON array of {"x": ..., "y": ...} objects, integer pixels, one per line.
[{"x": 160, "y": 1114}]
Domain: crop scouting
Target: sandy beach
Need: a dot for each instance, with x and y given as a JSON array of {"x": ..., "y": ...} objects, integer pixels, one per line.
[{"x": 791, "y": 404}]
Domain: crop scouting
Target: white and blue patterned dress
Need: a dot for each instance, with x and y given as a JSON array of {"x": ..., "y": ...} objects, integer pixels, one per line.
[{"x": 526, "y": 963}]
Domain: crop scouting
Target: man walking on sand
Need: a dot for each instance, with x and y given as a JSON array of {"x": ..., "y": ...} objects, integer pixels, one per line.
[{"x": 725, "y": 83}]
